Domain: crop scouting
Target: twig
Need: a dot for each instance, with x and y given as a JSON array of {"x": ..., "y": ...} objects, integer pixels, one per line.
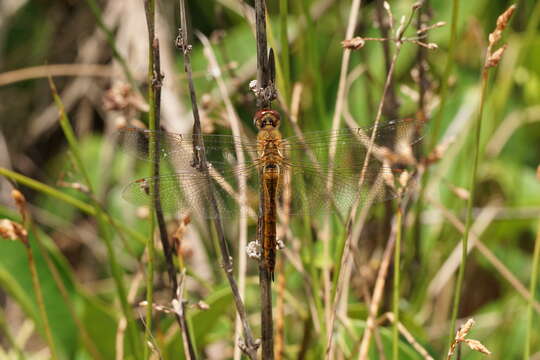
[
  {"x": 242, "y": 196},
  {"x": 377, "y": 294},
  {"x": 149, "y": 9},
  {"x": 155, "y": 78},
  {"x": 199, "y": 162},
  {"x": 179, "y": 307},
  {"x": 265, "y": 93}
]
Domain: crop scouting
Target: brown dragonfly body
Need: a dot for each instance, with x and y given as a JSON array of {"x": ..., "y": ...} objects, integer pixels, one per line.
[{"x": 271, "y": 162}]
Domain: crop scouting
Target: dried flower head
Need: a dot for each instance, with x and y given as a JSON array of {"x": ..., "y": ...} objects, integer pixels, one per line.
[
  {"x": 461, "y": 338},
  {"x": 464, "y": 330},
  {"x": 11, "y": 230},
  {"x": 354, "y": 43},
  {"x": 493, "y": 58},
  {"x": 477, "y": 346}
]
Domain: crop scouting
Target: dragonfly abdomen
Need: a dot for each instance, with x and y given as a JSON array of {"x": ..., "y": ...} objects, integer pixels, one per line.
[{"x": 270, "y": 178}]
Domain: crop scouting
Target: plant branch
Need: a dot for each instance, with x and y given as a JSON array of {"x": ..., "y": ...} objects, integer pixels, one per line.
[{"x": 199, "y": 162}]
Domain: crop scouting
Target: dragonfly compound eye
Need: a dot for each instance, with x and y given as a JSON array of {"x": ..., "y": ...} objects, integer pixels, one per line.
[{"x": 266, "y": 118}]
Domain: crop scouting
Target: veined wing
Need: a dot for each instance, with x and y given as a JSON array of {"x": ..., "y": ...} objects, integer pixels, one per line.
[
  {"x": 392, "y": 142},
  {"x": 177, "y": 150},
  {"x": 311, "y": 191},
  {"x": 318, "y": 186},
  {"x": 204, "y": 194}
]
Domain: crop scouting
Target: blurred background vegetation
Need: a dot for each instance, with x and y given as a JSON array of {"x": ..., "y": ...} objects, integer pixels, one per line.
[{"x": 70, "y": 239}]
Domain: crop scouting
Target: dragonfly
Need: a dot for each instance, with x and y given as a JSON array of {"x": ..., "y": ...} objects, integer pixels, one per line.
[{"x": 308, "y": 174}]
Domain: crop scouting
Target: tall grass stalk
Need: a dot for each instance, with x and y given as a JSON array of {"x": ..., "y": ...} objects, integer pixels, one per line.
[
  {"x": 68, "y": 199},
  {"x": 468, "y": 221},
  {"x": 116, "y": 269},
  {"x": 36, "y": 284},
  {"x": 491, "y": 60},
  {"x": 85, "y": 336},
  {"x": 532, "y": 290},
  {"x": 150, "y": 6},
  {"x": 395, "y": 290}
]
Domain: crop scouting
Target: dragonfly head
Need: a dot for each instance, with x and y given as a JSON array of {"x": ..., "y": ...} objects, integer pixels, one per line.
[{"x": 267, "y": 119}]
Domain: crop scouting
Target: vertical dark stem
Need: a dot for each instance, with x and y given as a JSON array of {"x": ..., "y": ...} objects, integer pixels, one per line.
[
  {"x": 265, "y": 92},
  {"x": 156, "y": 84},
  {"x": 155, "y": 118},
  {"x": 199, "y": 162},
  {"x": 262, "y": 52}
]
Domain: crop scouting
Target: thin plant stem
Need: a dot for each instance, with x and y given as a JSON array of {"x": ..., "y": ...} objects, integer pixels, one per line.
[
  {"x": 155, "y": 78},
  {"x": 237, "y": 131},
  {"x": 377, "y": 294},
  {"x": 21, "y": 203},
  {"x": 199, "y": 163},
  {"x": 116, "y": 270},
  {"x": 59, "y": 195},
  {"x": 532, "y": 290},
  {"x": 469, "y": 218},
  {"x": 86, "y": 339},
  {"x": 491, "y": 60},
  {"x": 336, "y": 121},
  {"x": 150, "y": 8},
  {"x": 395, "y": 305},
  {"x": 22, "y": 234},
  {"x": 40, "y": 301}
]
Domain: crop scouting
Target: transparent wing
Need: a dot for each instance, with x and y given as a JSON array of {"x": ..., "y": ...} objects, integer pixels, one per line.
[
  {"x": 205, "y": 195},
  {"x": 314, "y": 191},
  {"x": 177, "y": 150},
  {"x": 315, "y": 184},
  {"x": 350, "y": 145},
  {"x": 318, "y": 186}
]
